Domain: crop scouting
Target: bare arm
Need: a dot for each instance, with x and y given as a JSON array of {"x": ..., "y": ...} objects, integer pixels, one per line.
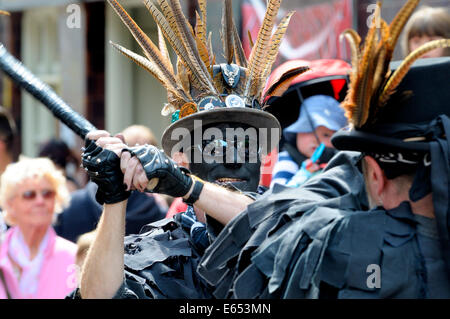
[
  {"x": 221, "y": 203},
  {"x": 103, "y": 269}
]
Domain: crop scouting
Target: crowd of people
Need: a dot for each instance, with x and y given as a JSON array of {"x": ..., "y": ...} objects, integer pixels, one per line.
[{"x": 361, "y": 185}]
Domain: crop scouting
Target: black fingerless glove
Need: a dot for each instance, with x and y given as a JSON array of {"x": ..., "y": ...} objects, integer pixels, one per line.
[
  {"x": 103, "y": 168},
  {"x": 173, "y": 180}
]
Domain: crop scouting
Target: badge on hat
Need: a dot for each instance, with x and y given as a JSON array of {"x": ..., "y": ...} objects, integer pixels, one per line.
[
  {"x": 231, "y": 74},
  {"x": 209, "y": 103}
]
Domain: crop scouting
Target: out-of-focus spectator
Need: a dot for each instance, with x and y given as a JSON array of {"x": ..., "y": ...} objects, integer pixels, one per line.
[
  {"x": 84, "y": 211},
  {"x": 34, "y": 261},
  {"x": 8, "y": 132},
  {"x": 83, "y": 244},
  {"x": 325, "y": 77},
  {"x": 2, "y": 227},
  {"x": 63, "y": 158},
  {"x": 425, "y": 25},
  {"x": 139, "y": 135},
  {"x": 177, "y": 205},
  {"x": 320, "y": 117}
]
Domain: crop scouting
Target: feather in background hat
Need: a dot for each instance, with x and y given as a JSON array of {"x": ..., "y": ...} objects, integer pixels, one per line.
[{"x": 371, "y": 81}]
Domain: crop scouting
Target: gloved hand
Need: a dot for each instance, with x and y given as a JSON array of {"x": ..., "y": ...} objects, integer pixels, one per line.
[
  {"x": 173, "y": 180},
  {"x": 103, "y": 168}
]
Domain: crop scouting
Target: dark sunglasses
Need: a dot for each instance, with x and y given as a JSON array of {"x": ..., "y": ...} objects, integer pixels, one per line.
[{"x": 31, "y": 194}]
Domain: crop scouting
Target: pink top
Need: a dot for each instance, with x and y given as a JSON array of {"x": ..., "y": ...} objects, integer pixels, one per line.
[{"x": 58, "y": 272}]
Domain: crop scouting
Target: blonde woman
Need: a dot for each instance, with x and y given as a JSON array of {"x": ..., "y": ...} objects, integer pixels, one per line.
[{"x": 34, "y": 261}]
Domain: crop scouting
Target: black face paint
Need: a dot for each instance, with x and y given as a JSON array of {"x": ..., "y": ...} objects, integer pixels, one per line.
[{"x": 232, "y": 170}]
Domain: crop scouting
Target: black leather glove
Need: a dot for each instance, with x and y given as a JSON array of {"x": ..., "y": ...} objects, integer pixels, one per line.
[
  {"x": 173, "y": 180},
  {"x": 103, "y": 168}
]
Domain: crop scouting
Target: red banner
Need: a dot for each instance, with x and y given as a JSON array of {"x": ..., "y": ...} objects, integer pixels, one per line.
[{"x": 313, "y": 31}]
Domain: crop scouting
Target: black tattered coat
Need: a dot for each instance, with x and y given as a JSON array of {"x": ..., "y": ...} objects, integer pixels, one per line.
[{"x": 320, "y": 241}]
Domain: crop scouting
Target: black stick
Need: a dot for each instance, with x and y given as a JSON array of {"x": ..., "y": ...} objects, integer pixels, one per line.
[{"x": 42, "y": 92}]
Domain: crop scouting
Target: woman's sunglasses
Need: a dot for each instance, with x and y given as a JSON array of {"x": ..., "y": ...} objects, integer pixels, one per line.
[{"x": 32, "y": 194}]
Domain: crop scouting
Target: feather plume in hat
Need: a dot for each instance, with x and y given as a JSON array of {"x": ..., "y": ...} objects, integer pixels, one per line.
[
  {"x": 371, "y": 81},
  {"x": 193, "y": 77}
]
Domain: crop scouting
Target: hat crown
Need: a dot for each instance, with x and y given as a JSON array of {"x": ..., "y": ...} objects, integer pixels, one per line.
[{"x": 423, "y": 94}]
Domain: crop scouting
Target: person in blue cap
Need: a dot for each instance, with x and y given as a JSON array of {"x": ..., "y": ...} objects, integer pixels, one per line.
[{"x": 308, "y": 146}]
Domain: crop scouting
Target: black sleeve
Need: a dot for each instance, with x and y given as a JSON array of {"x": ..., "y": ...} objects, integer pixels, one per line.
[{"x": 128, "y": 290}]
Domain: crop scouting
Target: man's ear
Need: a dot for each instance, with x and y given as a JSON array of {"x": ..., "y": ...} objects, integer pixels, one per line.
[
  {"x": 376, "y": 179},
  {"x": 181, "y": 159}
]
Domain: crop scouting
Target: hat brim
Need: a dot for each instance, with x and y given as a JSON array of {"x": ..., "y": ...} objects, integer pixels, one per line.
[
  {"x": 251, "y": 117},
  {"x": 356, "y": 140}
]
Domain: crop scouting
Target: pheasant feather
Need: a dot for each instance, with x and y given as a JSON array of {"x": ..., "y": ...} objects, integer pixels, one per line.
[
  {"x": 202, "y": 8},
  {"x": 183, "y": 75},
  {"x": 170, "y": 31},
  {"x": 354, "y": 41},
  {"x": 400, "y": 20},
  {"x": 275, "y": 43},
  {"x": 200, "y": 31},
  {"x": 163, "y": 48},
  {"x": 227, "y": 31},
  {"x": 152, "y": 69},
  {"x": 239, "y": 54},
  {"x": 150, "y": 49},
  {"x": 190, "y": 44},
  {"x": 404, "y": 67},
  {"x": 281, "y": 84},
  {"x": 255, "y": 63},
  {"x": 194, "y": 78},
  {"x": 371, "y": 82}
]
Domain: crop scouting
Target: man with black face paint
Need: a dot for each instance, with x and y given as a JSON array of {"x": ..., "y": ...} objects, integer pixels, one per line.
[
  {"x": 217, "y": 122},
  {"x": 238, "y": 173},
  {"x": 227, "y": 188}
]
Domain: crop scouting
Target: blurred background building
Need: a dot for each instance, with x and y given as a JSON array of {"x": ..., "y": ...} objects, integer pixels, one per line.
[{"x": 66, "y": 44}]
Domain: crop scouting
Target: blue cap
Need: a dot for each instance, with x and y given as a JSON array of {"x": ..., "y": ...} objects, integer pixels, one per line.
[{"x": 322, "y": 110}]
